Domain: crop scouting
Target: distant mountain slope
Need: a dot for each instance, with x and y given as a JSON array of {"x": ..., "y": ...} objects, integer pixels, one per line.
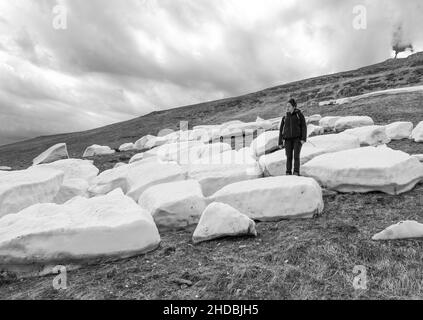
[{"x": 266, "y": 104}]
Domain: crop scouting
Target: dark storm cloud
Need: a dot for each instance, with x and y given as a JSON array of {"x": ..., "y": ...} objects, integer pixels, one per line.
[{"x": 118, "y": 59}]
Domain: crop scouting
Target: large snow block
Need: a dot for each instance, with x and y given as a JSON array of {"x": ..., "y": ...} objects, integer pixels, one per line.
[
  {"x": 142, "y": 158},
  {"x": 328, "y": 123},
  {"x": 110, "y": 180},
  {"x": 198, "y": 135},
  {"x": 264, "y": 124},
  {"x": 244, "y": 155},
  {"x": 274, "y": 198},
  {"x": 153, "y": 142},
  {"x": 314, "y": 119},
  {"x": 417, "y": 134},
  {"x": 370, "y": 136},
  {"x": 214, "y": 177},
  {"x": 243, "y": 126},
  {"x": 54, "y": 153},
  {"x": 137, "y": 157},
  {"x": 402, "y": 230},
  {"x": 205, "y": 133},
  {"x": 227, "y": 131},
  {"x": 207, "y": 153},
  {"x": 75, "y": 169},
  {"x": 127, "y": 147},
  {"x": 232, "y": 122},
  {"x": 178, "y": 151},
  {"x": 345, "y": 123},
  {"x": 108, "y": 226},
  {"x": 173, "y": 136},
  {"x": 146, "y": 175},
  {"x": 125, "y": 176},
  {"x": 21, "y": 189},
  {"x": 140, "y": 143},
  {"x": 313, "y": 130},
  {"x": 175, "y": 204},
  {"x": 334, "y": 142},
  {"x": 119, "y": 164},
  {"x": 97, "y": 150},
  {"x": 70, "y": 189},
  {"x": 223, "y": 135},
  {"x": 418, "y": 157},
  {"x": 241, "y": 157},
  {"x": 227, "y": 157},
  {"x": 399, "y": 130},
  {"x": 366, "y": 169},
  {"x": 265, "y": 143},
  {"x": 150, "y": 155},
  {"x": 191, "y": 135},
  {"x": 78, "y": 174},
  {"x": 221, "y": 220},
  {"x": 275, "y": 164}
]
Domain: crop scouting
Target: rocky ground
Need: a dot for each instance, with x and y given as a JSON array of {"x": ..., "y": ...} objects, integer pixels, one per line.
[{"x": 302, "y": 259}]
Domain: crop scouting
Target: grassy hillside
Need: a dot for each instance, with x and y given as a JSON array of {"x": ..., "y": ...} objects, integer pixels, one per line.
[
  {"x": 302, "y": 259},
  {"x": 389, "y": 74}
]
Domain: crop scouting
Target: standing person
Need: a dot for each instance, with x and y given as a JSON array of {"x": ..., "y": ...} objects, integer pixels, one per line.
[{"x": 292, "y": 135}]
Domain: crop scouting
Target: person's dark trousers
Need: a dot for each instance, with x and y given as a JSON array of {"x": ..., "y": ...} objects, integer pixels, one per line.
[{"x": 293, "y": 150}]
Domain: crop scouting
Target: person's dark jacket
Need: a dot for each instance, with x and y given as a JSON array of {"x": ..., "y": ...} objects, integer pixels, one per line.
[{"x": 293, "y": 126}]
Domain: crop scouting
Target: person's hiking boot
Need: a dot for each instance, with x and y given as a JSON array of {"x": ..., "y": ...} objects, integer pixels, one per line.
[
  {"x": 289, "y": 174},
  {"x": 297, "y": 174}
]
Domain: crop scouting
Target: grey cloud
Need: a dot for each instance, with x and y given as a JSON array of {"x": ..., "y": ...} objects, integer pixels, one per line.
[{"x": 122, "y": 58}]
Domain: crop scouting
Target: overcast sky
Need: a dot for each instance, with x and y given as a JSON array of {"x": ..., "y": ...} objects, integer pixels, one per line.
[{"x": 119, "y": 59}]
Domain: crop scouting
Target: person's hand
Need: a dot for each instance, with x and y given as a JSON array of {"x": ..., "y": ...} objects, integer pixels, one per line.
[{"x": 302, "y": 142}]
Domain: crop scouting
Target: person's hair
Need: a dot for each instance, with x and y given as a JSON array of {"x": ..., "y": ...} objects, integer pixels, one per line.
[{"x": 293, "y": 102}]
